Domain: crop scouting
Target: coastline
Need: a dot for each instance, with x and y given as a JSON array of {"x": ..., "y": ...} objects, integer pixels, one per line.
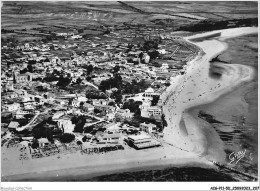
[
  {"x": 234, "y": 114},
  {"x": 155, "y": 157},
  {"x": 234, "y": 75}
]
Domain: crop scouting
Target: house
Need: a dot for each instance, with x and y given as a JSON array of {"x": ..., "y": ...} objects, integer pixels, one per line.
[
  {"x": 112, "y": 127},
  {"x": 21, "y": 92},
  {"x": 105, "y": 108},
  {"x": 66, "y": 125},
  {"x": 99, "y": 102},
  {"x": 29, "y": 105},
  {"x": 11, "y": 107},
  {"x": 13, "y": 125},
  {"x": 82, "y": 99},
  {"x": 165, "y": 65},
  {"x": 148, "y": 128},
  {"x": 150, "y": 93},
  {"x": 20, "y": 114},
  {"x": 49, "y": 96},
  {"x": 88, "y": 107},
  {"x": 111, "y": 91},
  {"x": 109, "y": 138},
  {"x": 124, "y": 114},
  {"x": 75, "y": 103},
  {"x": 10, "y": 95},
  {"x": 110, "y": 116},
  {"x": 57, "y": 115},
  {"x": 151, "y": 111},
  {"x": 20, "y": 78},
  {"x": 142, "y": 141},
  {"x": 43, "y": 142}
]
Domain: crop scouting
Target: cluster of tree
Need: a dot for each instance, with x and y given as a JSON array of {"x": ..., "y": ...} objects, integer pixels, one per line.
[
  {"x": 167, "y": 84},
  {"x": 85, "y": 138},
  {"x": 156, "y": 64},
  {"x": 50, "y": 38},
  {"x": 116, "y": 69},
  {"x": 79, "y": 123},
  {"x": 3, "y": 31},
  {"x": 133, "y": 106},
  {"x": 67, "y": 138},
  {"x": 135, "y": 87},
  {"x": 114, "y": 82},
  {"x": 150, "y": 44},
  {"x": 107, "y": 31},
  {"x": 29, "y": 68},
  {"x": 138, "y": 119},
  {"x": 46, "y": 129},
  {"x": 95, "y": 94},
  {"x": 64, "y": 81},
  {"x": 89, "y": 129},
  {"x": 153, "y": 54},
  {"x": 35, "y": 144},
  {"x": 90, "y": 69},
  {"x": 51, "y": 78},
  {"x": 155, "y": 100},
  {"x": 117, "y": 95},
  {"x": 211, "y": 24}
]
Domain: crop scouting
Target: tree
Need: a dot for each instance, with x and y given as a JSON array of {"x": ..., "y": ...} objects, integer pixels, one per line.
[
  {"x": 107, "y": 31},
  {"x": 116, "y": 69},
  {"x": 155, "y": 100},
  {"x": 31, "y": 62},
  {"x": 80, "y": 30},
  {"x": 167, "y": 84},
  {"x": 35, "y": 144},
  {"x": 74, "y": 120},
  {"x": 42, "y": 131},
  {"x": 118, "y": 97},
  {"x": 63, "y": 82},
  {"x": 111, "y": 103},
  {"x": 79, "y": 80},
  {"x": 79, "y": 143},
  {"x": 84, "y": 139},
  {"x": 89, "y": 69},
  {"x": 153, "y": 54},
  {"x": 164, "y": 122},
  {"x": 67, "y": 138},
  {"x": 89, "y": 129},
  {"x": 88, "y": 78},
  {"x": 97, "y": 111}
]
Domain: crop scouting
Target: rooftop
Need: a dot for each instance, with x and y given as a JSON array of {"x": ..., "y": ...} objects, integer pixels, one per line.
[{"x": 139, "y": 137}]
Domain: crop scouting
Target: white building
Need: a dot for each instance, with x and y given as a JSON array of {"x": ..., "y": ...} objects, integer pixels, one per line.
[
  {"x": 148, "y": 128},
  {"x": 66, "y": 124},
  {"x": 151, "y": 111},
  {"x": 165, "y": 65},
  {"x": 12, "y": 107},
  {"x": 150, "y": 92}
]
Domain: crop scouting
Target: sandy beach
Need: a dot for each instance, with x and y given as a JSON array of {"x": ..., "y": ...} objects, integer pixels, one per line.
[
  {"x": 197, "y": 88},
  {"x": 192, "y": 141}
]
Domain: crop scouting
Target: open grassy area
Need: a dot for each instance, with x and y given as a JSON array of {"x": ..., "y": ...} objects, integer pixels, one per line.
[{"x": 95, "y": 17}]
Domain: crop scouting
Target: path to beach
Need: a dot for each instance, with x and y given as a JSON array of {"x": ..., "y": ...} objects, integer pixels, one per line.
[{"x": 196, "y": 88}]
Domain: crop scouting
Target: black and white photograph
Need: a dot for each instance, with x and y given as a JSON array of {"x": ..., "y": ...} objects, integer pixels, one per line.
[{"x": 131, "y": 92}]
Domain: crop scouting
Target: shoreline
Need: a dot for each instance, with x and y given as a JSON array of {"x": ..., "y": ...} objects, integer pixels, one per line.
[
  {"x": 235, "y": 75},
  {"x": 104, "y": 164},
  {"x": 146, "y": 158}
]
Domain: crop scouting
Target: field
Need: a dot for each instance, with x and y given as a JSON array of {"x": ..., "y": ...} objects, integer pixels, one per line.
[{"x": 96, "y": 17}]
